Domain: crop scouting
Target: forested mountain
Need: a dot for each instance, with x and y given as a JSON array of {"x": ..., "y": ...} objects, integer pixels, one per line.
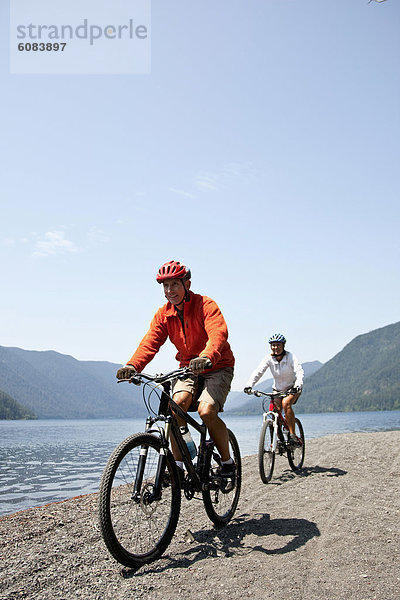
[
  {"x": 10, "y": 409},
  {"x": 365, "y": 375},
  {"x": 54, "y": 385}
]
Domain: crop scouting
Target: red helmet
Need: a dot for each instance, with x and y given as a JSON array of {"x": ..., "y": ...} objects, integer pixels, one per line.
[{"x": 173, "y": 270}]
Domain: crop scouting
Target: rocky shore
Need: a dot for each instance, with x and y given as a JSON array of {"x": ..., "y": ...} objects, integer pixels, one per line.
[{"x": 331, "y": 532}]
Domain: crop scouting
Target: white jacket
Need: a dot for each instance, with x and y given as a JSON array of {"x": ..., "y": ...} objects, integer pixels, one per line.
[{"x": 287, "y": 373}]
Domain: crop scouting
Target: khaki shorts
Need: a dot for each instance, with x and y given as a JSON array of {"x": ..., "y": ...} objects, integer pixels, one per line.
[{"x": 215, "y": 390}]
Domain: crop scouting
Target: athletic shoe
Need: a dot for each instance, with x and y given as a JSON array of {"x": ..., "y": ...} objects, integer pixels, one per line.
[
  {"x": 228, "y": 474},
  {"x": 294, "y": 441}
]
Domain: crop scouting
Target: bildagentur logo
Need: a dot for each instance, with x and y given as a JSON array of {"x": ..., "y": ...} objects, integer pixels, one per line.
[
  {"x": 86, "y": 30},
  {"x": 80, "y": 37}
]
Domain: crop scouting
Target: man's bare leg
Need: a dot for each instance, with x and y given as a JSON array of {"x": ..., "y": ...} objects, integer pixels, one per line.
[
  {"x": 216, "y": 427},
  {"x": 184, "y": 400}
]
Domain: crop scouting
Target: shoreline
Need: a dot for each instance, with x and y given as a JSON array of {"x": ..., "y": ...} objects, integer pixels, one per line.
[
  {"x": 330, "y": 530},
  {"x": 90, "y": 492},
  {"x": 229, "y": 413}
]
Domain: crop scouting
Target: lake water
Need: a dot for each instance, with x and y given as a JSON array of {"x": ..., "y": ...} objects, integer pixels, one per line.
[{"x": 50, "y": 460}]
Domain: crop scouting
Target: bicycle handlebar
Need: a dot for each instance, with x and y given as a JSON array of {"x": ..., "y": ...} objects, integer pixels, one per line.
[
  {"x": 139, "y": 378},
  {"x": 271, "y": 395}
]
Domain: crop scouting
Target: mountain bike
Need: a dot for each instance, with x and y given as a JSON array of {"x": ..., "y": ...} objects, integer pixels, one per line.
[
  {"x": 275, "y": 438},
  {"x": 140, "y": 489}
]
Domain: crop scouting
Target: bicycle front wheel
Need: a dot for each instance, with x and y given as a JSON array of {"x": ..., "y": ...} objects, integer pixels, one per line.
[
  {"x": 266, "y": 455},
  {"x": 222, "y": 496},
  {"x": 137, "y": 524},
  {"x": 296, "y": 453}
]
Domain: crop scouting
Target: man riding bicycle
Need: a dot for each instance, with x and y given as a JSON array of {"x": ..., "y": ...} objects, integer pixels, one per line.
[
  {"x": 288, "y": 377},
  {"x": 196, "y": 327}
]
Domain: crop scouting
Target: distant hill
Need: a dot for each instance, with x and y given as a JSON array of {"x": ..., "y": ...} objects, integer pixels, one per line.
[
  {"x": 53, "y": 385},
  {"x": 239, "y": 403},
  {"x": 365, "y": 375},
  {"x": 10, "y": 409}
]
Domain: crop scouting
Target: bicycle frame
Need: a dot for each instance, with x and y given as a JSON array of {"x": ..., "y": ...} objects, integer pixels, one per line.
[
  {"x": 172, "y": 429},
  {"x": 196, "y": 473},
  {"x": 279, "y": 422}
]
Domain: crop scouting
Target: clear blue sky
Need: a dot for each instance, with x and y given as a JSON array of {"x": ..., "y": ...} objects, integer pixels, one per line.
[{"x": 262, "y": 151}]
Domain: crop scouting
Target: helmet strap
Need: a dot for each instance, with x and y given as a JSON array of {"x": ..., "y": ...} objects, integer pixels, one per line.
[{"x": 187, "y": 295}]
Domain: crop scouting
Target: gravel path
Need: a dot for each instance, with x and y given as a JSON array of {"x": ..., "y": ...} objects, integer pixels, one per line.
[{"x": 331, "y": 532}]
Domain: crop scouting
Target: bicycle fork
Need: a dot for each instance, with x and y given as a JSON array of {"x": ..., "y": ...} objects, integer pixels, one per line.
[
  {"x": 140, "y": 472},
  {"x": 278, "y": 442},
  {"x": 271, "y": 416},
  {"x": 161, "y": 466}
]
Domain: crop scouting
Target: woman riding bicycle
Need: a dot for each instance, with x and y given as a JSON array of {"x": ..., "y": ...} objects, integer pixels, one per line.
[
  {"x": 288, "y": 377},
  {"x": 196, "y": 327}
]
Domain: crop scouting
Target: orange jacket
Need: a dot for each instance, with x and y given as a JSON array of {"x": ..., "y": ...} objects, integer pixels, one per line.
[{"x": 205, "y": 334}]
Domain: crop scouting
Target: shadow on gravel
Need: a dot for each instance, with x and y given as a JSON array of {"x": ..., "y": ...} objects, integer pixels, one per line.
[
  {"x": 288, "y": 475},
  {"x": 329, "y": 472},
  {"x": 239, "y": 538}
]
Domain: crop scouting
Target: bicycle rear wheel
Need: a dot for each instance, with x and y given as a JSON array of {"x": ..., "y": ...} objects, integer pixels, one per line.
[
  {"x": 220, "y": 502},
  {"x": 296, "y": 453},
  {"x": 136, "y": 525},
  {"x": 266, "y": 455}
]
